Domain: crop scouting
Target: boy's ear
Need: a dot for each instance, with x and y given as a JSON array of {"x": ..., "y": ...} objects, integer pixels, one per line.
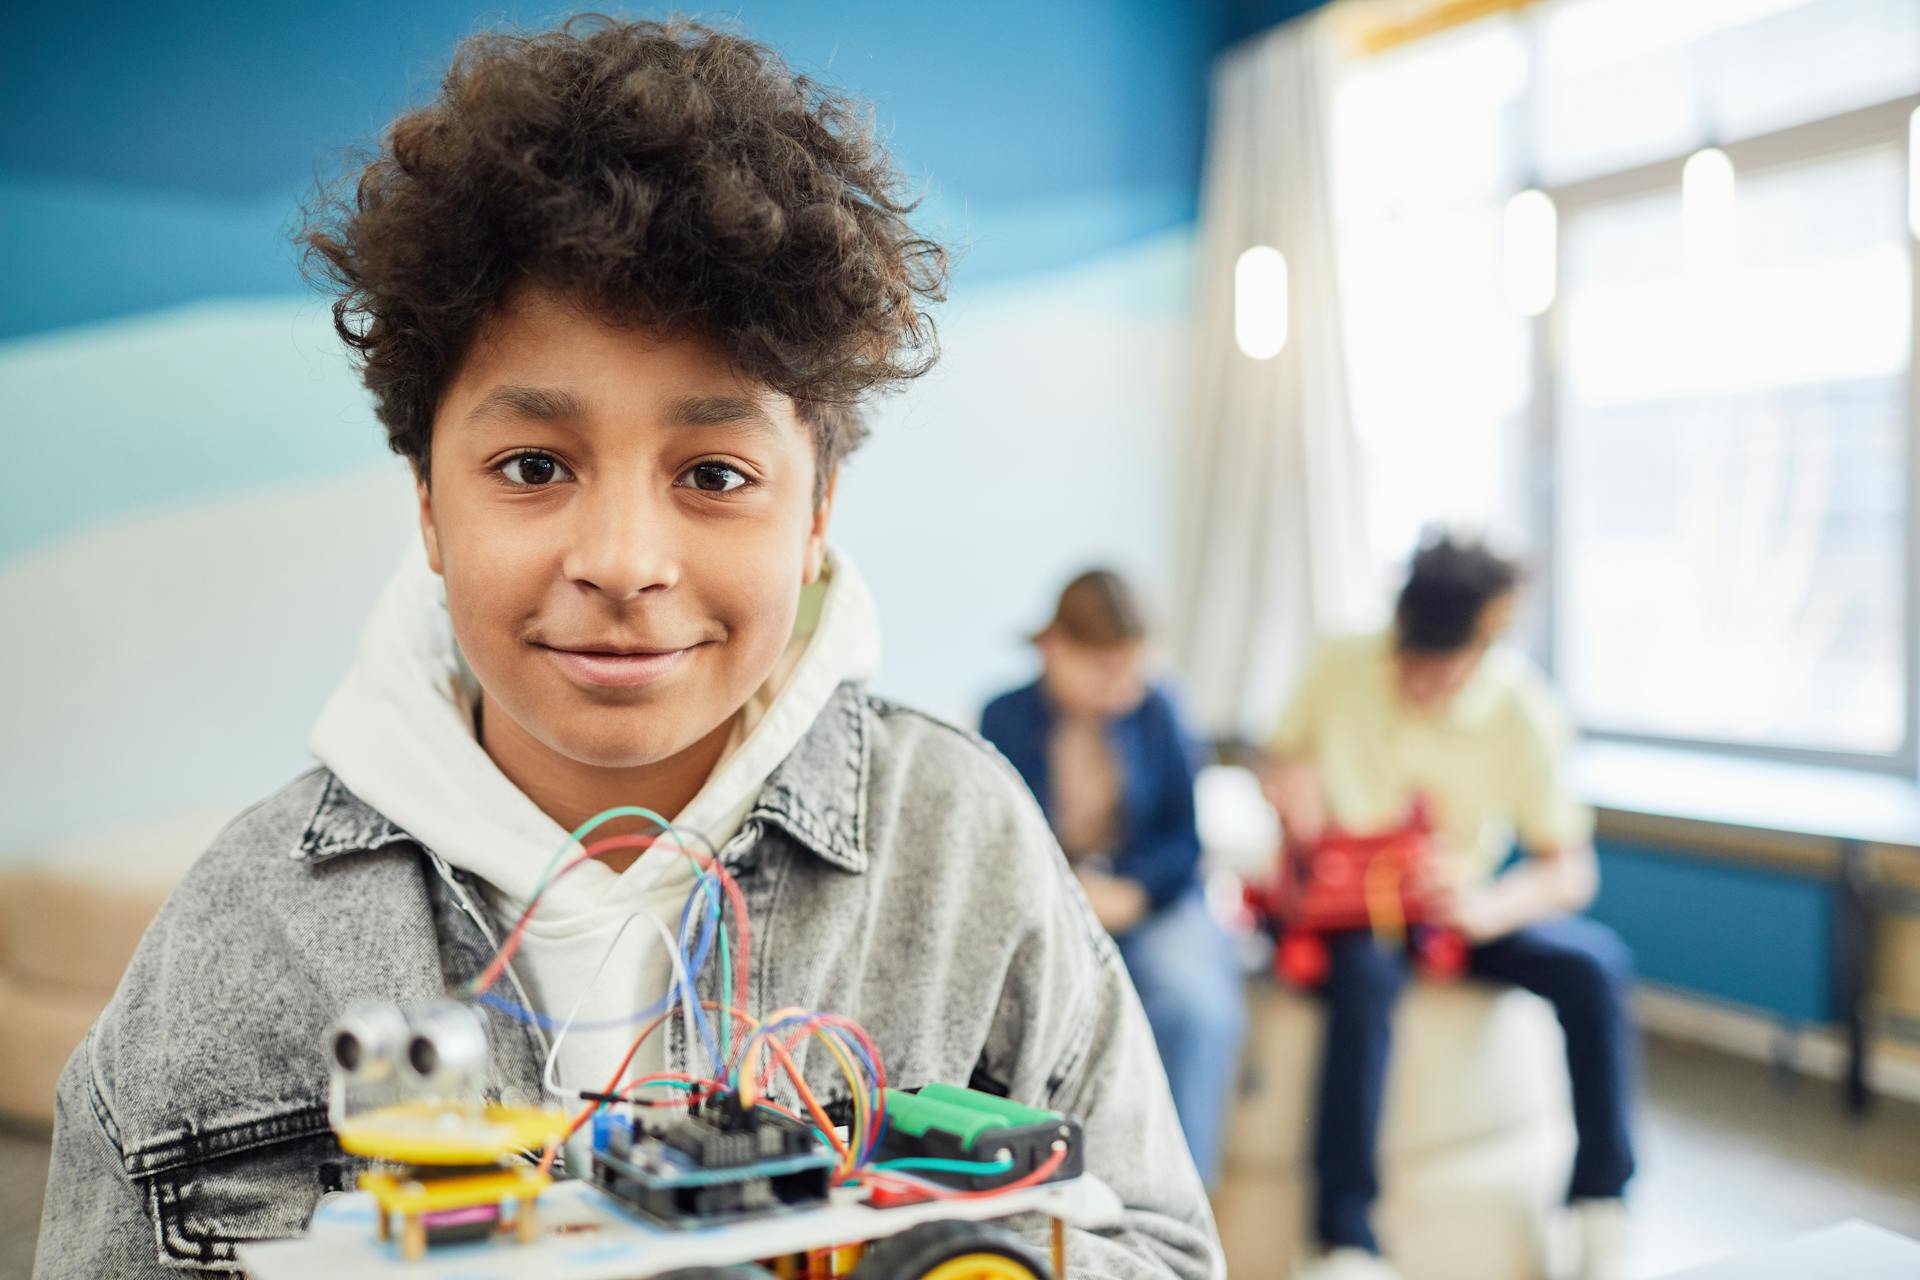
[
  {"x": 428, "y": 534},
  {"x": 817, "y": 535}
]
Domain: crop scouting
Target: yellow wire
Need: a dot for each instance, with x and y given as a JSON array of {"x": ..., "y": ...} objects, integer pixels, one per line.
[
  {"x": 749, "y": 1066},
  {"x": 847, "y": 1069},
  {"x": 750, "y": 1062},
  {"x": 750, "y": 1071}
]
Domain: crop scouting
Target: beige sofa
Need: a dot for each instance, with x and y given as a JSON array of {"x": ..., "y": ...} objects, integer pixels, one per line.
[
  {"x": 70, "y": 917},
  {"x": 1476, "y": 1137}
]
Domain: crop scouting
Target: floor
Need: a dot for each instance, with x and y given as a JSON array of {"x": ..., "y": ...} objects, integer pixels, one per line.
[{"x": 1731, "y": 1157}]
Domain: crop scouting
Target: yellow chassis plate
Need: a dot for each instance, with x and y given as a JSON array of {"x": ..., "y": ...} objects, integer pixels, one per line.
[{"x": 424, "y": 1133}]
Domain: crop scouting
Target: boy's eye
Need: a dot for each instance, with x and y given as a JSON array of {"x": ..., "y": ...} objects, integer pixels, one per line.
[
  {"x": 533, "y": 470},
  {"x": 713, "y": 477}
]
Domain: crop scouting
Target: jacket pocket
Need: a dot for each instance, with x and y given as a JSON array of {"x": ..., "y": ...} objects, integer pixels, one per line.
[{"x": 210, "y": 1191}]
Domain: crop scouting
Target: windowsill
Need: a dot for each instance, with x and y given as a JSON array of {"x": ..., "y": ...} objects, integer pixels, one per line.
[{"x": 1748, "y": 794}]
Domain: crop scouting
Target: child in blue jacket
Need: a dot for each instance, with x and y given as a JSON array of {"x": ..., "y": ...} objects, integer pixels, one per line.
[{"x": 1103, "y": 750}]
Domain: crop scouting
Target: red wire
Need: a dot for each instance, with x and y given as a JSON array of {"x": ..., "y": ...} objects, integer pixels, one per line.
[
  {"x": 626, "y": 1061},
  {"x": 812, "y": 1103},
  {"x": 743, "y": 967},
  {"x": 586, "y": 1112},
  {"x": 859, "y": 1033},
  {"x": 496, "y": 966},
  {"x": 793, "y": 1040},
  {"x": 781, "y": 1055}
]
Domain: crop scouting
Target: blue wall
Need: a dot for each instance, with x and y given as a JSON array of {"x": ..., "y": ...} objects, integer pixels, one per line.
[{"x": 158, "y": 153}]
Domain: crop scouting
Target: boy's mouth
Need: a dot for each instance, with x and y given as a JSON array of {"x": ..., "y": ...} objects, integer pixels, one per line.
[{"x": 609, "y": 666}]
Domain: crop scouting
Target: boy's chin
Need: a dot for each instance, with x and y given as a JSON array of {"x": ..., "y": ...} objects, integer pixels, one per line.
[{"x": 627, "y": 750}]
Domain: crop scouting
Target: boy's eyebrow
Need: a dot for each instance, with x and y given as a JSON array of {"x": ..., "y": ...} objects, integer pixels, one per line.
[
  {"x": 556, "y": 404},
  {"x": 543, "y": 404},
  {"x": 721, "y": 411}
]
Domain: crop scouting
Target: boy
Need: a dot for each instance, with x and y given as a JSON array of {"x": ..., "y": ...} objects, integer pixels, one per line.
[
  {"x": 616, "y": 293},
  {"x": 1104, "y": 751},
  {"x": 1435, "y": 708}
]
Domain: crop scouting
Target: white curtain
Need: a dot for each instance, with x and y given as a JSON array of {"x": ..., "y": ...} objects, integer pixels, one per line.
[{"x": 1272, "y": 547}]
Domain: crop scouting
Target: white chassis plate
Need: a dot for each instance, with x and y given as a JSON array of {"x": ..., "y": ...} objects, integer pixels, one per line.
[{"x": 587, "y": 1235}]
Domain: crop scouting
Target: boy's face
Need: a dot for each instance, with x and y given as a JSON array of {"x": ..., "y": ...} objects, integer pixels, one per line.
[
  {"x": 1431, "y": 681},
  {"x": 624, "y": 526},
  {"x": 1094, "y": 680}
]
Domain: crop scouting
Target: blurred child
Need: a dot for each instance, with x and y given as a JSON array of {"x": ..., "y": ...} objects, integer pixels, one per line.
[
  {"x": 1105, "y": 753},
  {"x": 1435, "y": 707}
]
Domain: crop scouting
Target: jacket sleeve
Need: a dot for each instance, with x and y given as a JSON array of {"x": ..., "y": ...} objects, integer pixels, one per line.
[
  {"x": 995, "y": 724},
  {"x": 1078, "y": 1041},
  {"x": 94, "y": 1222},
  {"x": 1011, "y": 734},
  {"x": 1163, "y": 855}
]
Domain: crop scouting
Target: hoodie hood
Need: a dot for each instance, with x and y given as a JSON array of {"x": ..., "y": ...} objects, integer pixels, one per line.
[{"x": 399, "y": 732}]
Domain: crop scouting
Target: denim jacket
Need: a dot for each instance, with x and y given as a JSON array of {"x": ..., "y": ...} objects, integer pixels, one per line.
[
  {"x": 1160, "y": 841},
  {"x": 895, "y": 870}
]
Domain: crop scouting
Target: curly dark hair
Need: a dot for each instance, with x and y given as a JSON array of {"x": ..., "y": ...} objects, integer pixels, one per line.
[
  {"x": 1449, "y": 585},
  {"x": 666, "y": 174}
]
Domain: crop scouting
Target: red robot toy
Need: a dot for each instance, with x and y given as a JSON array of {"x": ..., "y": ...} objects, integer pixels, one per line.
[{"x": 1348, "y": 882}]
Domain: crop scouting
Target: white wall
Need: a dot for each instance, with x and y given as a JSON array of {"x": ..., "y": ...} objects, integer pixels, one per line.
[{"x": 1043, "y": 443}]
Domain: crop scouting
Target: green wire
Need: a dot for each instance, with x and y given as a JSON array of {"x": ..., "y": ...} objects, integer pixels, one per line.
[
  {"x": 932, "y": 1165},
  {"x": 585, "y": 829},
  {"x": 710, "y": 887},
  {"x": 726, "y": 988},
  {"x": 709, "y": 884},
  {"x": 579, "y": 837}
]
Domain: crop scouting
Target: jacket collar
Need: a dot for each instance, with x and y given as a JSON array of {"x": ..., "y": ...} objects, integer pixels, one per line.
[{"x": 817, "y": 795}]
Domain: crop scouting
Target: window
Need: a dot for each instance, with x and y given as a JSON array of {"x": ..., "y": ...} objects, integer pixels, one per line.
[
  {"x": 1732, "y": 421},
  {"x": 1705, "y": 439}
]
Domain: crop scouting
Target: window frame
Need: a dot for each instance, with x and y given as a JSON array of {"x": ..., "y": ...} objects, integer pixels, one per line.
[{"x": 1880, "y": 124}]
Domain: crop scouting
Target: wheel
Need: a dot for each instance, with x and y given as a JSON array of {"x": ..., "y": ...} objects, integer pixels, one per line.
[{"x": 954, "y": 1251}]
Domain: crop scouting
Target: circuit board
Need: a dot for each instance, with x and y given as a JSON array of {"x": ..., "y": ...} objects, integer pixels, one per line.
[{"x": 711, "y": 1167}]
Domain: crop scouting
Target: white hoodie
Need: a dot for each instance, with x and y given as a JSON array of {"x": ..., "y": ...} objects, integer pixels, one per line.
[{"x": 399, "y": 732}]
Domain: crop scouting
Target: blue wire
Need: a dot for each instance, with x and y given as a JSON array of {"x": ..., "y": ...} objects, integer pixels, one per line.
[
  {"x": 706, "y": 884},
  {"x": 697, "y": 964},
  {"x": 704, "y": 929},
  {"x": 852, "y": 1042},
  {"x": 548, "y": 1023},
  {"x": 878, "y": 1102}
]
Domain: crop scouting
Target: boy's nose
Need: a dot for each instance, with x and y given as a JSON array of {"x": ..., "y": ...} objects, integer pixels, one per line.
[{"x": 622, "y": 544}]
